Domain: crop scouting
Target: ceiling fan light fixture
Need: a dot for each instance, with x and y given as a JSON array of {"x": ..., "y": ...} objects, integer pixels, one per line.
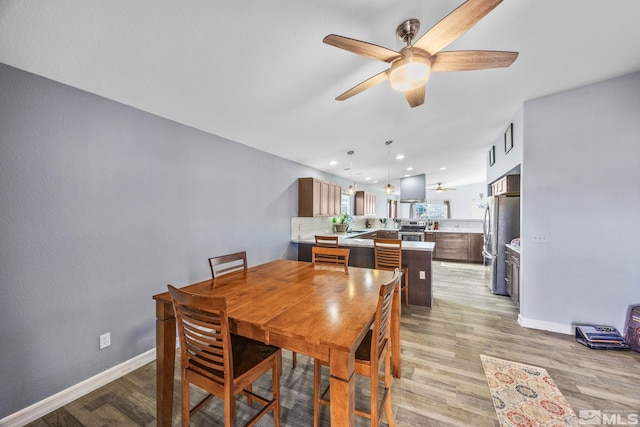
[{"x": 410, "y": 72}]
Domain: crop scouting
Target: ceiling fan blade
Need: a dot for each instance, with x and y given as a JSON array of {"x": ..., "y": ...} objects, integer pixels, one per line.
[
  {"x": 415, "y": 97},
  {"x": 362, "y": 48},
  {"x": 362, "y": 86},
  {"x": 455, "y": 24},
  {"x": 466, "y": 60}
]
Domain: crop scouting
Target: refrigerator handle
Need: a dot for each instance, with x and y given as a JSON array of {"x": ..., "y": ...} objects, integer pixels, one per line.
[
  {"x": 485, "y": 223},
  {"x": 488, "y": 255},
  {"x": 486, "y": 229}
]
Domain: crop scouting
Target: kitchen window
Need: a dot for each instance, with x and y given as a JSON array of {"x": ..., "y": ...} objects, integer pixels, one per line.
[
  {"x": 431, "y": 210},
  {"x": 346, "y": 204}
]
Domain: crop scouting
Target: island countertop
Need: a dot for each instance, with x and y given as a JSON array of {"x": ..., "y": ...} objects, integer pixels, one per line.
[{"x": 368, "y": 243}]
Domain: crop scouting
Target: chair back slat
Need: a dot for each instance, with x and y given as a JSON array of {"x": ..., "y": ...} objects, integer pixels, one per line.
[{"x": 327, "y": 241}]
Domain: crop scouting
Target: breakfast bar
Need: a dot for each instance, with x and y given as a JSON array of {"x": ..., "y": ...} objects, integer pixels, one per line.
[{"x": 417, "y": 255}]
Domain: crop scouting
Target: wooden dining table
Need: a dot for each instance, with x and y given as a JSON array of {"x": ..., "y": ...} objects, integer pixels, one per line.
[{"x": 323, "y": 312}]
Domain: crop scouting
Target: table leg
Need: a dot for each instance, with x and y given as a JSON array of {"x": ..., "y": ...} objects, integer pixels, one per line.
[
  {"x": 343, "y": 386},
  {"x": 165, "y": 362},
  {"x": 395, "y": 333}
]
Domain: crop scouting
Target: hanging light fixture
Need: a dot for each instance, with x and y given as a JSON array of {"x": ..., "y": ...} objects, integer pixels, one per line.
[
  {"x": 352, "y": 188},
  {"x": 389, "y": 189}
]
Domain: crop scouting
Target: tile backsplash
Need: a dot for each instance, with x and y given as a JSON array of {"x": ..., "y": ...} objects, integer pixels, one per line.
[
  {"x": 305, "y": 227},
  {"x": 468, "y": 225}
]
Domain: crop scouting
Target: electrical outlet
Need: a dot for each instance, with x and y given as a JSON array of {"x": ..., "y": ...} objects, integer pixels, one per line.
[
  {"x": 105, "y": 340},
  {"x": 422, "y": 275},
  {"x": 300, "y": 227},
  {"x": 539, "y": 238}
]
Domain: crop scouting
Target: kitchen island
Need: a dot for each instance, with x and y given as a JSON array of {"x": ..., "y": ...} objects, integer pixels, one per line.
[{"x": 417, "y": 255}]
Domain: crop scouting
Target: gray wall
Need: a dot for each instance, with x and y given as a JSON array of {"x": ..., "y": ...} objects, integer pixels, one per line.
[
  {"x": 581, "y": 189},
  {"x": 102, "y": 205},
  {"x": 506, "y": 162}
]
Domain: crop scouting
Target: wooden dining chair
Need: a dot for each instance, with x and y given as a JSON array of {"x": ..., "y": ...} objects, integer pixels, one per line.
[
  {"x": 374, "y": 349},
  {"x": 388, "y": 256},
  {"x": 331, "y": 256},
  {"x": 223, "y": 364},
  {"x": 327, "y": 241},
  {"x": 226, "y": 264}
]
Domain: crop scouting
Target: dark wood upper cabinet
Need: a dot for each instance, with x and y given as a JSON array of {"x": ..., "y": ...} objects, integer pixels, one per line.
[
  {"x": 318, "y": 198},
  {"x": 508, "y": 185},
  {"x": 364, "y": 203}
]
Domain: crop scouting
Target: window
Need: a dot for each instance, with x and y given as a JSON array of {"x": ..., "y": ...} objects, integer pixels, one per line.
[
  {"x": 432, "y": 210},
  {"x": 346, "y": 204}
]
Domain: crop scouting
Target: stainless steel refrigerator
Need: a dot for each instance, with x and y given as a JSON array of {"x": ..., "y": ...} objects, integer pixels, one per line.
[{"x": 501, "y": 225}]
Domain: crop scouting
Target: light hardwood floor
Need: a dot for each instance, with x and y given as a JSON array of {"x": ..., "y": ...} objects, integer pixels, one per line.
[{"x": 442, "y": 384}]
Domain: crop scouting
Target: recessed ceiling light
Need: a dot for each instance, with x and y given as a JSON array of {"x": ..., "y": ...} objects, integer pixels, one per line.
[
  {"x": 406, "y": 175},
  {"x": 443, "y": 168},
  {"x": 375, "y": 182},
  {"x": 400, "y": 157},
  {"x": 333, "y": 162},
  {"x": 409, "y": 168},
  {"x": 368, "y": 178}
]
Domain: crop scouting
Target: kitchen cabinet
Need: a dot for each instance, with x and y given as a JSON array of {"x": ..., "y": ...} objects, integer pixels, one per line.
[
  {"x": 507, "y": 185},
  {"x": 387, "y": 234},
  {"x": 318, "y": 198},
  {"x": 364, "y": 203},
  {"x": 465, "y": 247},
  {"x": 512, "y": 274},
  {"x": 452, "y": 246},
  {"x": 476, "y": 243}
]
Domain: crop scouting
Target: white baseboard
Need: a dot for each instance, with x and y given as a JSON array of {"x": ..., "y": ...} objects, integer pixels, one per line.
[
  {"x": 51, "y": 403},
  {"x": 560, "y": 328}
]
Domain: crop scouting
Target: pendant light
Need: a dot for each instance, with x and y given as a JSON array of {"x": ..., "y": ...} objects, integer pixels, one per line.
[
  {"x": 352, "y": 188},
  {"x": 389, "y": 189}
]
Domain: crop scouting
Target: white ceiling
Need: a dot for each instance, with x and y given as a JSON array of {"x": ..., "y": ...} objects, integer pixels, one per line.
[{"x": 257, "y": 72}]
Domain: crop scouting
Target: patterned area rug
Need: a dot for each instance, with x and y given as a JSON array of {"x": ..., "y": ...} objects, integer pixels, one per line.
[{"x": 526, "y": 396}]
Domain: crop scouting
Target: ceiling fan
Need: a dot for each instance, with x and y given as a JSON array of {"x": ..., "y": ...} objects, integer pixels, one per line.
[
  {"x": 440, "y": 188},
  {"x": 411, "y": 66}
]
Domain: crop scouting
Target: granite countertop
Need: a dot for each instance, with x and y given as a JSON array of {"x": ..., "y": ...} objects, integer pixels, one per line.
[
  {"x": 371, "y": 230},
  {"x": 513, "y": 247},
  {"x": 455, "y": 230},
  {"x": 446, "y": 230}
]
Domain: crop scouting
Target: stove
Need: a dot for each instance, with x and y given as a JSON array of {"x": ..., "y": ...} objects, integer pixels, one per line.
[{"x": 412, "y": 230}]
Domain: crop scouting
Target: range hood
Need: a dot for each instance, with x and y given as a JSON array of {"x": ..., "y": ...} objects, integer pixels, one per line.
[{"x": 413, "y": 189}]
